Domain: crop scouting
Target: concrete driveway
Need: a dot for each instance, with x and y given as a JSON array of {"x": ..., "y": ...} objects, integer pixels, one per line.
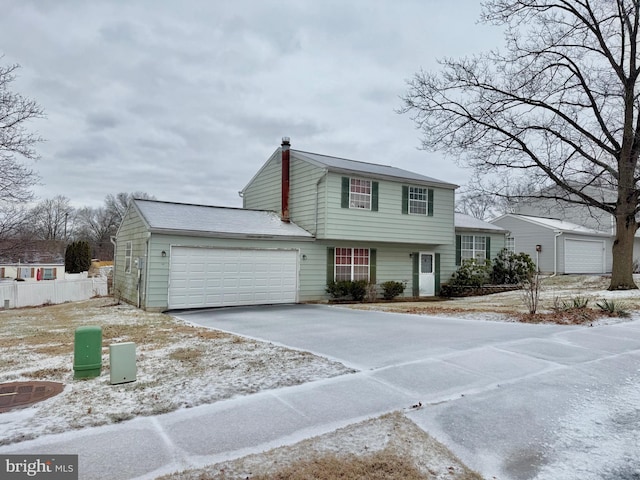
[{"x": 511, "y": 400}]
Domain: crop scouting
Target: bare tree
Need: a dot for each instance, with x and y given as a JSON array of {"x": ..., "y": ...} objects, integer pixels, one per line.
[
  {"x": 117, "y": 204},
  {"x": 49, "y": 219},
  {"x": 16, "y": 142},
  {"x": 559, "y": 107}
]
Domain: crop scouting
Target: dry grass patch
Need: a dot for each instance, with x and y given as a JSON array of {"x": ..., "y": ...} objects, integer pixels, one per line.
[{"x": 387, "y": 447}]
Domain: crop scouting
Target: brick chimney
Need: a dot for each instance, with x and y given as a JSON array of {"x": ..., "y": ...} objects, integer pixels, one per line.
[{"x": 285, "y": 179}]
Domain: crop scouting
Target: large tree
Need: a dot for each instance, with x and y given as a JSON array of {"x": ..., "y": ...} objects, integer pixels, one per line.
[
  {"x": 16, "y": 141},
  {"x": 557, "y": 109}
]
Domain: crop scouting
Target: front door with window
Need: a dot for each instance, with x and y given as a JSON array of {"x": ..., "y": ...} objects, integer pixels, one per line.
[{"x": 427, "y": 274}]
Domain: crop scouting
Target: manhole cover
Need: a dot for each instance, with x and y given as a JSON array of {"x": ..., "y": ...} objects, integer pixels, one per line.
[{"x": 21, "y": 394}]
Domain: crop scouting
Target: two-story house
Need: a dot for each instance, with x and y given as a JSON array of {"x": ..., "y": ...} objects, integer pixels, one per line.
[{"x": 307, "y": 219}]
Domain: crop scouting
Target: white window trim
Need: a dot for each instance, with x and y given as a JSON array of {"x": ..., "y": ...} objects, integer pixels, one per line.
[
  {"x": 475, "y": 251},
  {"x": 352, "y": 264},
  {"x": 128, "y": 256},
  {"x": 511, "y": 249},
  {"x": 426, "y": 200},
  {"x": 369, "y": 195}
]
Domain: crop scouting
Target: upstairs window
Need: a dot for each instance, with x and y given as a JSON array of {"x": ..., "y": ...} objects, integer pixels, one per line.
[
  {"x": 417, "y": 200},
  {"x": 360, "y": 193}
]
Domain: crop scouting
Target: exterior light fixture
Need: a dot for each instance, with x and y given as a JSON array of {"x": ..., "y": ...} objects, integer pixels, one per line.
[{"x": 164, "y": 254}]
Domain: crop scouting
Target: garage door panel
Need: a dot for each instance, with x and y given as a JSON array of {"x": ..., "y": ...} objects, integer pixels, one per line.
[
  {"x": 204, "y": 277},
  {"x": 584, "y": 256}
]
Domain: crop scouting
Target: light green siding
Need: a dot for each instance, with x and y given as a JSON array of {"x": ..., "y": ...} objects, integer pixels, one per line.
[
  {"x": 311, "y": 275},
  {"x": 306, "y": 189},
  {"x": 263, "y": 191},
  {"x": 125, "y": 285},
  {"x": 394, "y": 261},
  {"x": 388, "y": 224}
]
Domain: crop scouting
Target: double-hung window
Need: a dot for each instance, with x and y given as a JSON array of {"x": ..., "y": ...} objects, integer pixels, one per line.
[
  {"x": 473, "y": 246},
  {"x": 127, "y": 256},
  {"x": 418, "y": 200},
  {"x": 510, "y": 244},
  {"x": 352, "y": 264},
  {"x": 360, "y": 193}
]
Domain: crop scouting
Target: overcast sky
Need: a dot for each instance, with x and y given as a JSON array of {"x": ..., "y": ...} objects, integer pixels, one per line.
[{"x": 186, "y": 99}]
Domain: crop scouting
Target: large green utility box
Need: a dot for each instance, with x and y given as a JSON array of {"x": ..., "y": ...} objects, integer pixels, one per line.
[{"x": 87, "y": 353}]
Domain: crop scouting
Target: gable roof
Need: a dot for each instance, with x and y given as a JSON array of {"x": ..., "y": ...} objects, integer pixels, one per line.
[
  {"x": 343, "y": 165},
  {"x": 211, "y": 221},
  {"x": 467, "y": 222},
  {"x": 555, "y": 224}
]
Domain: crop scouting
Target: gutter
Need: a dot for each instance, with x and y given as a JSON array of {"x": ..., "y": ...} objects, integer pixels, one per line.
[
  {"x": 324, "y": 175},
  {"x": 555, "y": 252}
]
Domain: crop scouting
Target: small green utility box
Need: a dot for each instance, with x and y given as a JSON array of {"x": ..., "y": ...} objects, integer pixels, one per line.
[{"x": 87, "y": 353}]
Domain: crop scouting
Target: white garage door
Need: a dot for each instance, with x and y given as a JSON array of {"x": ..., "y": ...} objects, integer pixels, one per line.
[
  {"x": 212, "y": 277},
  {"x": 583, "y": 256}
]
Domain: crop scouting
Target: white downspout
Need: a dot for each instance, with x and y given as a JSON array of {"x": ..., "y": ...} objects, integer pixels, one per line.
[
  {"x": 555, "y": 252},
  {"x": 324, "y": 175}
]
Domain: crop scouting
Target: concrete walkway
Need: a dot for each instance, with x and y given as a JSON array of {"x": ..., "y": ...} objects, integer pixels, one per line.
[{"x": 513, "y": 401}]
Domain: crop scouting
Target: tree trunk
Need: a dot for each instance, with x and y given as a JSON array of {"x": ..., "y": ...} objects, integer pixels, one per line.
[{"x": 622, "y": 270}]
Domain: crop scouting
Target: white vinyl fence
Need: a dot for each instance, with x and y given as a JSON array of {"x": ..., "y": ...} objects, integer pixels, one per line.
[{"x": 31, "y": 294}]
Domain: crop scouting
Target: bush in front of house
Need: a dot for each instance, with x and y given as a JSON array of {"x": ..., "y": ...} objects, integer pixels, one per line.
[
  {"x": 348, "y": 289},
  {"x": 512, "y": 268},
  {"x": 392, "y": 289},
  {"x": 471, "y": 273}
]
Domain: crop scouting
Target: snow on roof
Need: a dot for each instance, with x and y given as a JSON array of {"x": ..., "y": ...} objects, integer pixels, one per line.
[
  {"x": 353, "y": 166},
  {"x": 467, "y": 222},
  {"x": 224, "y": 221},
  {"x": 557, "y": 224}
]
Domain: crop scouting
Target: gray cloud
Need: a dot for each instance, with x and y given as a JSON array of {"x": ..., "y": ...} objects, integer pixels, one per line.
[{"x": 186, "y": 100}]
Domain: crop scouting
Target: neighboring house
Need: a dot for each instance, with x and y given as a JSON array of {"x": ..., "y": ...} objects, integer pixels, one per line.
[
  {"x": 337, "y": 219},
  {"x": 558, "y": 246},
  {"x": 32, "y": 271},
  {"x": 590, "y": 217},
  {"x": 477, "y": 239}
]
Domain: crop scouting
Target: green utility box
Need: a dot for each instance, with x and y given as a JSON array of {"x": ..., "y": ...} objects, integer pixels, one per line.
[
  {"x": 122, "y": 362},
  {"x": 87, "y": 353}
]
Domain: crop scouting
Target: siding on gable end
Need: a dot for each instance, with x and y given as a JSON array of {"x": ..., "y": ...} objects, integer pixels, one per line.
[
  {"x": 527, "y": 235},
  {"x": 264, "y": 191},
  {"x": 305, "y": 193},
  {"x": 386, "y": 224},
  {"x": 132, "y": 229}
]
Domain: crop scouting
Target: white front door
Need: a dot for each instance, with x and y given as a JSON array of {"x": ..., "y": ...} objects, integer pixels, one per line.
[{"x": 427, "y": 275}]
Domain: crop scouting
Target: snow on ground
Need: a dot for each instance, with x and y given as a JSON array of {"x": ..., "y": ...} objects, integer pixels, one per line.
[{"x": 180, "y": 366}]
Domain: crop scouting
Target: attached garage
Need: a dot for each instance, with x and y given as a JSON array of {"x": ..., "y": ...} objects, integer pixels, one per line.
[
  {"x": 219, "y": 277},
  {"x": 584, "y": 256},
  {"x": 180, "y": 256}
]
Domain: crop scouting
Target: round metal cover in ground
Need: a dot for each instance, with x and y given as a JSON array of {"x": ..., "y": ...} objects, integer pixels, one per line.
[{"x": 22, "y": 394}]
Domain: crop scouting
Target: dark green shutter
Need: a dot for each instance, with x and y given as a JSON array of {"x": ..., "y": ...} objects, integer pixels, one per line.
[
  {"x": 344, "y": 201},
  {"x": 437, "y": 272},
  {"x": 374, "y": 196},
  {"x": 487, "y": 246},
  {"x": 331, "y": 258},
  {"x": 430, "y": 203},
  {"x": 416, "y": 273},
  {"x": 372, "y": 265},
  {"x": 405, "y": 199},
  {"x": 458, "y": 249}
]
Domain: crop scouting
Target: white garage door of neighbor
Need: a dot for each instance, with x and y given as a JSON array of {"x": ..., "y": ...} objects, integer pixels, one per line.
[
  {"x": 583, "y": 256},
  {"x": 212, "y": 277}
]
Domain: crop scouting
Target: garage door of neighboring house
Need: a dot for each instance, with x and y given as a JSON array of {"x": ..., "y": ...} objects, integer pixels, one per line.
[
  {"x": 214, "y": 277},
  {"x": 584, "y": 256}
]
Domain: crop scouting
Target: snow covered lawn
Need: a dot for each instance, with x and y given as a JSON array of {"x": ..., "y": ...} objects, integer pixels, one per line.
[{"x": 179, "y": 366}]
